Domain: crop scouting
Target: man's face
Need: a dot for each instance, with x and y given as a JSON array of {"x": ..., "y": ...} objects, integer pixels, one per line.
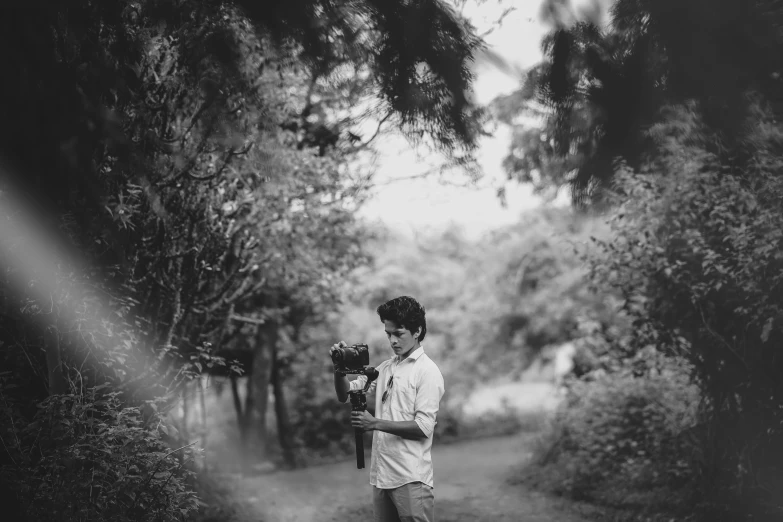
[{"x": 401, "y": 340}]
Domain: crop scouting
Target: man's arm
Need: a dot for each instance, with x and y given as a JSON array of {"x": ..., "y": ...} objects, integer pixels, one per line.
[
  {"x": 429, "y": 391},
  {"x": 406, "y": 429},
  {"x": 428, "y": 395}
]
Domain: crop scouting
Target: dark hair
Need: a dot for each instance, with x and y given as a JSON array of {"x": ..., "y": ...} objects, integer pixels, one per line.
[{"x": 406, "y": 312}]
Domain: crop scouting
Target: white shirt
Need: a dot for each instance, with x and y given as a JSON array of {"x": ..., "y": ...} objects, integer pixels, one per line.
[{"x": 414, "y": 395}]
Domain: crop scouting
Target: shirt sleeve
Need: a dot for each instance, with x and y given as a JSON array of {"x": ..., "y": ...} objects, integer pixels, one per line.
[{"x": 429, "y": 391}]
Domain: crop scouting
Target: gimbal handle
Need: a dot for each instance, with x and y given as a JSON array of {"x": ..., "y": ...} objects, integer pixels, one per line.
[{"x": 359, "y": 403}]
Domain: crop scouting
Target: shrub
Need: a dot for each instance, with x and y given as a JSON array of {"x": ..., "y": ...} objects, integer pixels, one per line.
[
  {"x": 87, "y": 457},
  {"x": 696, "y": 255},
  {"x": 323, "y": 430},
  {"x": 453, "y": 426},
  {"x": 619, "y": 440},
  {"x": 449, "y": 425},
  {"x": 217, "y": 502}
]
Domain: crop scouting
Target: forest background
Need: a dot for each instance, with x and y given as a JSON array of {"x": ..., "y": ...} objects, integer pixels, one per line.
[{"x": 181, "y": 181}]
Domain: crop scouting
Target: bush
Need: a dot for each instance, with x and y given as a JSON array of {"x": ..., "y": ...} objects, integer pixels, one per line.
[
  {"x": 696, "y": 255},
  {"x": 87, "y": 457},
  {"x": 217, "y": 502},
  {"x": 619, "y": 440},
  {"x": 449, "y": 425},
  {"x": 454, "y": 426},
  {"x": 323, "y": 431}
]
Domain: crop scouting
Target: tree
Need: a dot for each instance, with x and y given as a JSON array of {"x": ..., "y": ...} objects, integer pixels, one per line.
[
  {"x": 87, "y": 74},
  {"x": 493, "y": 304},
  {"x": 688, "y": 178},
  {"x": 195, "y": 84},
  {"x": 694, "y": 255},
  {"x": 178, "y": 153},
  {"x": 599, "y": 90}
]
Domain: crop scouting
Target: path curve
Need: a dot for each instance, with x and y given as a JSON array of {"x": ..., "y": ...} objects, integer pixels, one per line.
[{"x": 471, "y": 484}]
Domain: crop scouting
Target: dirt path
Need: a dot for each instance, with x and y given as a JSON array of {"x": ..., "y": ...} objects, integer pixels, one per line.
[{"x": 471, "y": 484}]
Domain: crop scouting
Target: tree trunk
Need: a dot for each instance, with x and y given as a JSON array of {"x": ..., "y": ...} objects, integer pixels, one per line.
[
  {"x": 247, "y": 421},
  {"x": 284, "y": 431},
  {"x": 241, "y": 415},
  {"x": 58, "y": 384},
  {"x": 258, "y": 384},
  {"x": 203, "y": 405},
  {"x": 185, "y": 412}
]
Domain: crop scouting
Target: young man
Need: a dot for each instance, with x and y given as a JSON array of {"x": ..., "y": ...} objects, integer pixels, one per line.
[{"x": 407, "y": 396}]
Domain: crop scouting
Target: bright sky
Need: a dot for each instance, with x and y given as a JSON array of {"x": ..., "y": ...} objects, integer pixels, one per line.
[{"x": 425, "y": 205}]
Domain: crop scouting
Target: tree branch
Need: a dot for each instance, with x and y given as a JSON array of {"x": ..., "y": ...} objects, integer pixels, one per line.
[
  {"x": 232, "y": 152},
  {"x": 248, "y": 320},
  {"x": 497, "y": 22},
  {"x": 367, "y": 143}
]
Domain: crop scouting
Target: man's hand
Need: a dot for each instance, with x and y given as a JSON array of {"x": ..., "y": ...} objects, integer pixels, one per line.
[
  {"x": 363, "y": 420},
  {"x": 341, "y": 344},
  {"x": 341, "y": 384}
]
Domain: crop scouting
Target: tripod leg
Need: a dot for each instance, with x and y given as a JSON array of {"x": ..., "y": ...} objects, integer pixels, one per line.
[{"x": 359, "y": 448}]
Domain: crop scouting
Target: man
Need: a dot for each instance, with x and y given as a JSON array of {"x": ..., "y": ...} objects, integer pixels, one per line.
[{"x": 407, "y": 396}]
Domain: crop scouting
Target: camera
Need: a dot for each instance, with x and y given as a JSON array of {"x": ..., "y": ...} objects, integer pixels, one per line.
[
  {"x": 351, "y": 359},
  {"x": 355, "y": 359}
]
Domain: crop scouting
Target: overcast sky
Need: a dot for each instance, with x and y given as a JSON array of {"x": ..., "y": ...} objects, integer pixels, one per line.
[{"x": 427, "y": 204}]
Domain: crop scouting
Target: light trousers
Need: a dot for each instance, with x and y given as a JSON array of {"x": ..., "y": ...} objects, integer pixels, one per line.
[{"x": 413, "y": 502}]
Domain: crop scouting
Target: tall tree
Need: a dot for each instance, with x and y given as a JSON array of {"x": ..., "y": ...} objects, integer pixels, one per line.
[
  {"x": 131, "y": 118},
  {"x": 600, "y": 90},
  {"x": 191, "y": 158}
]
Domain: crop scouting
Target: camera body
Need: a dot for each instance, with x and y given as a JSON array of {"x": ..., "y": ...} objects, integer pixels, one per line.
[
  {"x": 351, "y": 359},
  {"x": 355, "y": 359}
]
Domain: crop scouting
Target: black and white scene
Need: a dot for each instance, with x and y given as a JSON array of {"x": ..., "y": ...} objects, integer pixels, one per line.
[{"x": 391, "y": 261}]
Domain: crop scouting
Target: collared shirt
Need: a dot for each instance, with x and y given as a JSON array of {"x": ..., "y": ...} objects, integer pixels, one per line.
[{"x": 415, "y": 393}]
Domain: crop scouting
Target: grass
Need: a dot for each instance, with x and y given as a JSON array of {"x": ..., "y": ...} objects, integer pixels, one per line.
[{"x": 217, "y": 502}]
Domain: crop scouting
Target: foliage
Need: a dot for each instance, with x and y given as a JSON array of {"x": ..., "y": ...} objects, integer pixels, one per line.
[
  {"x": 455, "y": 426},
  {"x": 418, "y": 55},
  {"x": 492, "y": 303},
  {"x": 639, "y": 117},
  {"x": 599, "y": 89},
  {"x": 472, "y": 289},
  {"x": 323, "y": 429},
  {"x": 199, "y": 179},
  {"x": 619, "y": 440},
  {"x": 78, "y": 459},
  {"x": 216, "y": 500},
  {"x": 180, "y": 237},
  {"x": 696, "y": 258},
  {"x": 192, "y": 171}
]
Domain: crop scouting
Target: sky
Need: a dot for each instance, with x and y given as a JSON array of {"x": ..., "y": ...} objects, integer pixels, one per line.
[{"x": 426, "y": 204}]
